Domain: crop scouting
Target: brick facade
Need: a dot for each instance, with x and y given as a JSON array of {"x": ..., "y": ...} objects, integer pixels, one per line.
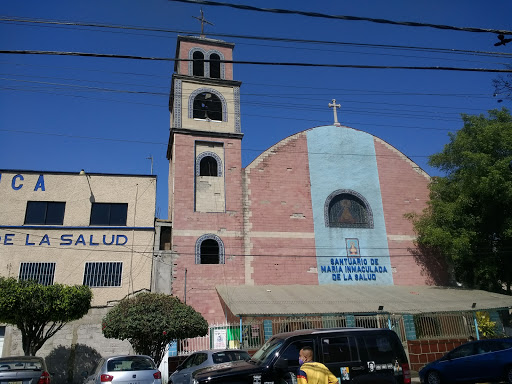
[
  {"x": 273, "y": 228},
  {"x": 422, "y": 352}
]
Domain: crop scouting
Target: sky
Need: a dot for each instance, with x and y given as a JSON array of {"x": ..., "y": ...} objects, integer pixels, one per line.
[{"x": 108, "y": 115}]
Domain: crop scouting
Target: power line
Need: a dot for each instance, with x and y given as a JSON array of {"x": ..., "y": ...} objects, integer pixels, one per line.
[
  {"x": 165, "y": 143},
  {"x": 253, "y": 37},
  {"x": 357, "y": 66},
  {"x": 342, "y": 17},
  {"x": 290, "y": 106}
]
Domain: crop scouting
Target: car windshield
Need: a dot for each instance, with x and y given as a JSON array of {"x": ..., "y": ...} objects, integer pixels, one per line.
[
  {"x": 227, "y": 356},
  {"x": 129, "y": 363},
  {"x": 266, "y": 352},
  {"x": 10, "y": 365}
]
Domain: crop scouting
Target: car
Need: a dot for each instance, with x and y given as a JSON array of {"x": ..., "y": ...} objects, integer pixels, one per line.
[
  {"x": 476, "y": 361},
  {"x": 134, "y": 369},
  {"x": 24, "y": 370},
  {"x": 206, "y": 358},
  {"x": 353, "y": 355}
]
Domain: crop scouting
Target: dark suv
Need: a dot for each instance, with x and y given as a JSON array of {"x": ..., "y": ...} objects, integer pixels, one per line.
[{"x": 353, "y": 355}]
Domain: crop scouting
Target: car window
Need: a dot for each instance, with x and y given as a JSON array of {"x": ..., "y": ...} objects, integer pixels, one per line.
[
  {"x": 382, "y": 348},
  {"x": 226, "y": 356},
  {"x": 129, "y": 363},
  {"x": 240, "y": 355},
  {"x": 463, "y": 351},
  {"x": 291, "y": 352},
  {"x": 200, "y": 358},
  {"x": 33, "y": 365},
  {"x": 486, "y": 346},
  {"x": 337, "y": 349},
  {"x": 189, "y": 362},
  {"x": 266, "y": 352}
]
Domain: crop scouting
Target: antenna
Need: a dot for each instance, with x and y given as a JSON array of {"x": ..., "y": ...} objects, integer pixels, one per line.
[{"x": 150, "y": 158}]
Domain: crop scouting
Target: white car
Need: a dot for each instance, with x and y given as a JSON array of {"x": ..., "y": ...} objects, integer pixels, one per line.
[
  {"x": 203, "y": 359},
  {"x": 124, "y": 369}
]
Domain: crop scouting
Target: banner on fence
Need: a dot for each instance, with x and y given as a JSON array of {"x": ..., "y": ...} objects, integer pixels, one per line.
[{"x": 219, "y": 338}]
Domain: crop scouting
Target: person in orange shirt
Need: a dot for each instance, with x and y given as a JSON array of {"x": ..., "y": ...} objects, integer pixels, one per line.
[{"x": 311, "y": 372}]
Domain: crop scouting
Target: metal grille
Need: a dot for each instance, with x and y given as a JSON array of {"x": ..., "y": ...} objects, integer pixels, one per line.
[
  {"x": 103, "y": 274},
  {"x": 43, "y": 273},
  {"x": 289, "y": 324},
  {"x": 443, "y": 325}
]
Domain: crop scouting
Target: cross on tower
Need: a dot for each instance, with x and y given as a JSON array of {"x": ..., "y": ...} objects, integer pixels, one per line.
[
  {"x": 333, "y": 105},
  {"x": 203, "y": 21}
]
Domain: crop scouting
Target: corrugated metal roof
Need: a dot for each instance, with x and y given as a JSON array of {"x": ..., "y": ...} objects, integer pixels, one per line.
[{"x": 247, "y": 300}]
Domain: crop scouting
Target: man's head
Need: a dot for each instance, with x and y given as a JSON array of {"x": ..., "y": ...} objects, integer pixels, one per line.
[{"x": 306, "y": 354}]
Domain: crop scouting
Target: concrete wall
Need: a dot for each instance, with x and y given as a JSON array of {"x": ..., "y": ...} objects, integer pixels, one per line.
[
  {"x": 74, "y": 349},
  {"x": 71, "y": 245}
]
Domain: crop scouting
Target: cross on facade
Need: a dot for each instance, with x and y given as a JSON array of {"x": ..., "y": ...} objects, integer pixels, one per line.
[
  {"x": 333, "y": 105},
  {"x": 203, "y": 21}
]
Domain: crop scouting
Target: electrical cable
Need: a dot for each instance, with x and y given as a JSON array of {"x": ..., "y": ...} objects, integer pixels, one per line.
[
  {"x": 266, "y": 63},
  {"x": 341, "y": 17},
  {"x": 253, "y": 37}
]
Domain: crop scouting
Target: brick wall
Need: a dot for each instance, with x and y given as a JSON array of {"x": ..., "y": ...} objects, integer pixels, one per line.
[
  {"x": 189, "y": 225},
  {"x": 422, "y": 352},
  {"x": 404, "y": 189},
  {"x": 280, "y": 216}
]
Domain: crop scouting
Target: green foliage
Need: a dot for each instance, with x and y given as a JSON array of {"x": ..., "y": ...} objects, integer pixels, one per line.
[
  {"x": 469, "y": 215},
  {"x": 486, "y": 327},
  {"x": 150, "y": 321},
  {"x": 41, "y": 311}
]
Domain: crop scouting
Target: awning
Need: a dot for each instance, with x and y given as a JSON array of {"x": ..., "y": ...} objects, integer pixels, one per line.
[{"x": 271, "y": 300}]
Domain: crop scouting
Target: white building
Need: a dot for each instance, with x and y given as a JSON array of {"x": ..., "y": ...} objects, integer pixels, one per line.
[{"x": 77, "y": 228}]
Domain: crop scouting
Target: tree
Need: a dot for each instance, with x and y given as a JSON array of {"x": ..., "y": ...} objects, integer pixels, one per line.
[
  {"x": 503, "y": 86},
  {"x": 150, "y": 321},
  {"x": 41, "y": 311},
  {"x": 468, "y": 219}
]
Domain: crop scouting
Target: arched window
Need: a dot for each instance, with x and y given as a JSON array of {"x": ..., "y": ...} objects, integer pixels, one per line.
[
  {"x": 198, "y": 63},
  {"x": 209, "y": 250},
  {"x": 208, "y": 166},
  {"x": 347, "y": 209},
  {"x": 215, "y": 66},
  {"x": 207, "y": 106},
  {"x": 212, "y": 166}
]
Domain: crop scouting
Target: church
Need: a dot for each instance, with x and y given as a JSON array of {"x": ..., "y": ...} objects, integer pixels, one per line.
[
  {"x": 312, "y": 233},
  {"x": 323, "y": 206},
  {"x": 314, "y": 227}
]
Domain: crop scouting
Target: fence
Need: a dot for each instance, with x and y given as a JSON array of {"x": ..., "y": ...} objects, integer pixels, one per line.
[
  {"x": 444, "y": 325},
  {"x": 251, "y": 335}
]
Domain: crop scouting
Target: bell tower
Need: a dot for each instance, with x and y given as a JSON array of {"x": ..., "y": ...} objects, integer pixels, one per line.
[
  {"x": 205, "y": 175},
  {"x": 205, "y": 104}
]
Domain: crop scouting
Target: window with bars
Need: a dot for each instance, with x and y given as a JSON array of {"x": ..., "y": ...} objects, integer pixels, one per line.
[
  {"x": 103, "y": 274},
  {"x": 43, "y": 273},
  {"x": 45, "y": 212}
]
